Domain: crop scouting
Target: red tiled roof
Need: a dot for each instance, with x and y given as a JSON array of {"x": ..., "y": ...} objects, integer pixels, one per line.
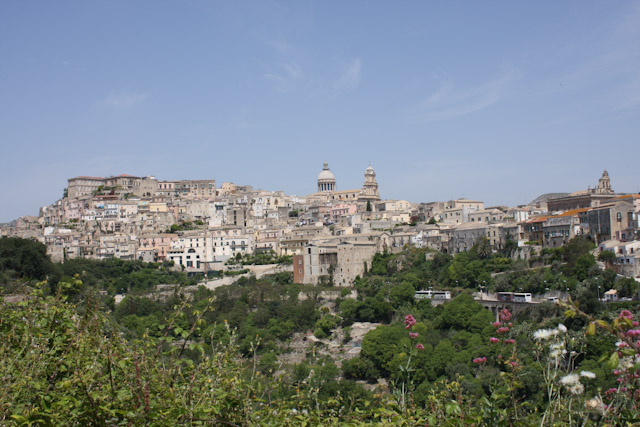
[
  {"x": 571, "y": 212},
  {"x": 628, "y": 196},
  {"x": 537, "y": 219}
]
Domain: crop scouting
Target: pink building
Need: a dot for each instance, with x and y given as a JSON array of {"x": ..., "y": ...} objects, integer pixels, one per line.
[
  {"x": 160, "y": 243},
  {"x": 340, "y": 210}
]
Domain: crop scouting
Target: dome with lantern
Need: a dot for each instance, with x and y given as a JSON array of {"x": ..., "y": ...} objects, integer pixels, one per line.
[{"x": 326, "y": 180}]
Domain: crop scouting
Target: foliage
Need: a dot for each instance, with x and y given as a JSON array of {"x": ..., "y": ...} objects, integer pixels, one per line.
[
  {"x": 219, "y": 357},
  {"x": 24, "y": 259},
  {"x": 260, "y": 258}
]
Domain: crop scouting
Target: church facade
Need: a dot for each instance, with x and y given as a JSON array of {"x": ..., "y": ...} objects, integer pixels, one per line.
[
  {"x": 328, "y": 189},
  {"x": 591, "y": 197}
]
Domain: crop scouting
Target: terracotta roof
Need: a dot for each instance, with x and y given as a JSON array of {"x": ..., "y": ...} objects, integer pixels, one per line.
[
  {"x": 571, "y": 212},
  {"x": 537, "y": 219},
  {"x": 628, "y": 196}
]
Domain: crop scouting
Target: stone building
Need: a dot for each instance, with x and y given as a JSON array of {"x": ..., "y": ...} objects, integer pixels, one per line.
[
  {"x": 83, "y": 186},
  {"x": 616, "y": 220},
  {"x": 458, "y": 211},
  {"x": 332, "y": 263},
  {"x": 591, "y": 197}
]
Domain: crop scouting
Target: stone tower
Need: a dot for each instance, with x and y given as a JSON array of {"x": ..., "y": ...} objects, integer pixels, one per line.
[
  {"x": 370, "y": 187},
  {"x": 326, "y": 180},
  {"x": 604, "y": 185}
]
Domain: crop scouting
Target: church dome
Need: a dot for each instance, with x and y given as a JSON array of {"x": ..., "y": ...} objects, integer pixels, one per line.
[
  {"x": 326, "y": 174},
  {"x": 326, "y": 180}
]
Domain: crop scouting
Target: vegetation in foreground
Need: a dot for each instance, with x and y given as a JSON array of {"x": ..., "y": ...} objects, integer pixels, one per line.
[{"x": 70, "y": 357}]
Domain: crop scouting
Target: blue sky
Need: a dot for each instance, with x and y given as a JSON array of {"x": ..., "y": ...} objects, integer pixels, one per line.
[{"x": 498, "y": 100}]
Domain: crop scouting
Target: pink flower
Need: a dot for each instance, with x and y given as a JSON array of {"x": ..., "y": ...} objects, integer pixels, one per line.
[
  {"x": 510, "y": 325},
  {"x": 409, "y": 320},
  {"x": 419, "y": 346},
  {"x": 480, "y": 360},
  {"x": 632, "y": 332},
  {"x": 504, "y": 315},
  {"x": 503, "y": 330},
  {"x": 494, "y": 340},
  {"x": 626, "y": 314},
  {"x": 497, "y": 324},
  {"x": 413, "y": 335},
  {"x": 510, "y": 341},
  {"x": 514, "y": 364},
  {"x": 611, "y": 391}
]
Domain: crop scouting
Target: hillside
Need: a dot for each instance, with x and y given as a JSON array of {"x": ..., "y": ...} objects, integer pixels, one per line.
[{"x": 270, "y": 352}]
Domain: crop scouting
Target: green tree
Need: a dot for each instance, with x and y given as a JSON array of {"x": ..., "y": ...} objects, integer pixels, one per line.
[
  {"x": 608, "y": 257},
  {"x": 24, "y": 258},
  {"x": 380, "y": 346},
  {"x": 401, "y": 294}
]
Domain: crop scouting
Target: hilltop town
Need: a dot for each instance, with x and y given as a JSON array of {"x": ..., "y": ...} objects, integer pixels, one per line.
[{"x": 330, "y": 234}]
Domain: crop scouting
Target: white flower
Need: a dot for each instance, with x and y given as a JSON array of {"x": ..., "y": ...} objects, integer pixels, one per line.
[
  {"x": 625, "y": 363},
  {"x": 562, "y": 328},
  {"x": 570, "y": 379},
  {"x": 595, "y": 404},
  {"x": 543, "y": 334},
  {"x": 558, "y": 353},
  {"x": 587, "y": 374},
  {"x": 576, "y": 389}
]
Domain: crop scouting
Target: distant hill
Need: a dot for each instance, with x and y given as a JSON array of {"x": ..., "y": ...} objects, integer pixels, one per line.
[{"x": 544, "y": 197}]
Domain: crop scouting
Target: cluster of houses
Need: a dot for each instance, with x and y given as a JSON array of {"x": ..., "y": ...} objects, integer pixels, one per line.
[{"x": 331, "y": 235}]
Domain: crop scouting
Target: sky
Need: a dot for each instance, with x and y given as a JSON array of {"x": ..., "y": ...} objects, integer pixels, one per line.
[{"x": 496, "y": 100}]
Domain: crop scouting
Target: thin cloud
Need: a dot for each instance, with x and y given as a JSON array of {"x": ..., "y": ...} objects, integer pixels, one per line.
[
  {"x": 350, "y": 77},
  {"x": 449, "y": 102},
  {"x": 280, "y": 45},
  {"x": 124, "y": 99},
  {"x": 287, "y": 79}
]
